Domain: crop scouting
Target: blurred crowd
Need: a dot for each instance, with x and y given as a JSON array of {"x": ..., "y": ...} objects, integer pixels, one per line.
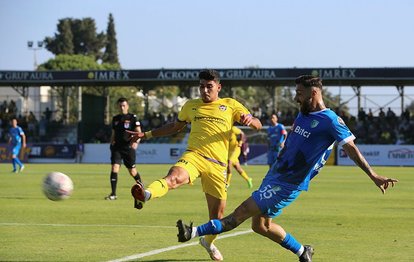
[
  {"x": 383, "y": 128},
  {"x": 380, "y": 127},
  {"x": 35, "y": 130},
  {"x": 369, "y": 128}
]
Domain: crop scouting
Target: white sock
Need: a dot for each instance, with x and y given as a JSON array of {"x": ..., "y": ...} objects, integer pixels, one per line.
[
  {"x": 300, "y": 251},
  {"x": 147, "y": 195},
  {"x": 194, "y": 232}
]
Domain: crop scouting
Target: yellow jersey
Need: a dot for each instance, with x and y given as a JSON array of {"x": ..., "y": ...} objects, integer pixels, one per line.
[
  {"x": 233, "y": 143},
  {"x": 211, "y": 125}
]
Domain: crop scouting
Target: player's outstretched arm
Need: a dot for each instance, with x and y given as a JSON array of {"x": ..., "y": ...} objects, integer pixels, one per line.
[
  {"x": 135, "y": 136},
  {"x": 249, "y": 120},
  {"x": 380, "y": 181},
  {"x": 165, "y": 130}
]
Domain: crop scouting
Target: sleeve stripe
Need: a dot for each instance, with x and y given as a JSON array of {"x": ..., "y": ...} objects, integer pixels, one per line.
[{"x": 346, "y": 140}]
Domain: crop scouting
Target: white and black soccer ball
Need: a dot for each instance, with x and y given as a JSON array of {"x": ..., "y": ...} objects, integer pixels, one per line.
[{"x": 57, "y": 186}]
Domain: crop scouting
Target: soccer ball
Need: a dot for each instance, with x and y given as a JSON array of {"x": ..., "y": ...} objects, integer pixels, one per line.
[{"x": 57, "y": 186}]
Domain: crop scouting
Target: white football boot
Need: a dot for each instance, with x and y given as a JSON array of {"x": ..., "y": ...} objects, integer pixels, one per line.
[{"x": 211, "y": 249}]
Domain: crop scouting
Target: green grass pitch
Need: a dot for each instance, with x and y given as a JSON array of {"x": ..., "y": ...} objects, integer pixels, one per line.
[{"x": 344, "y": 216}]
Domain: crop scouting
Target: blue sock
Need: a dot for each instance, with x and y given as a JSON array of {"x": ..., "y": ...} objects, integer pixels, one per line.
[
  {"x": 18, "y": 161},
  {"x": 213, "y": 227},
  {"x": 14, "y": 163},
  {"x": 291, "y": 243}
]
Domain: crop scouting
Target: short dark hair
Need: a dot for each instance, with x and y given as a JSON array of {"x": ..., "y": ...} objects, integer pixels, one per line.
[
  {"x": 121, "y": 100},
  {"x": 209, "y": 74},
  {"x": 309, "y": 81}
]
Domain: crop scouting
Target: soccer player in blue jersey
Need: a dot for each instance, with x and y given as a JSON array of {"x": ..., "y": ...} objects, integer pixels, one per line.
[
  {"x": 306, "y": 150},
  {"x": 17, "y": 139},
  {"x": 276, "y": 134}
]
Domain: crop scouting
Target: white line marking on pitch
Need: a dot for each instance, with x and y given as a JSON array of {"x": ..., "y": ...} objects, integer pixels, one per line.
[
  {"x": 161, "y": 250},
  {"x": 79, "y": 225},
  {"x": 132, "y": 257}
]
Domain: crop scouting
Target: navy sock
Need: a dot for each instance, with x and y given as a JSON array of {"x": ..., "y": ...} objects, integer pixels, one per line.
[
  {"x": 291, "y": 243},
  {"x": 213, "y": 227},
  {"x": 114, "y": 181}
]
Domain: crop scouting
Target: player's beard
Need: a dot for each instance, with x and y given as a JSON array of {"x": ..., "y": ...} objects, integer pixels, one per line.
[{"x": 305, "y": 107}]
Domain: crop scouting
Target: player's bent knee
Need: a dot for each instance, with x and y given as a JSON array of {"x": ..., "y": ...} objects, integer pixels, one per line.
[{"x": 174, "y": 181}]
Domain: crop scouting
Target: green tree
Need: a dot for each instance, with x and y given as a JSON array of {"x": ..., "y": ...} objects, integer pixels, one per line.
[
  {"x": 71, "y": 62},
  {"x": 410, "y": 108},
  {"x": 111, "y": 49},
  {"x": 84, "y": 40},
  {"x": 63, "y": 43},
  {"x": 67, "y": 96}
]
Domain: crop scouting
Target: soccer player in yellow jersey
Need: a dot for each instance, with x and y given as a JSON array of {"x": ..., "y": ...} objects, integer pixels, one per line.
[
  {"x": 236, "y": 141},
  {"x": 206, "y": 156}
]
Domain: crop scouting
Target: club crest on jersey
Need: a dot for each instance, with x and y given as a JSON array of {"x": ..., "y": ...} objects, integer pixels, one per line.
[
  {"x": 340, "y": 121},
  {"x": 314, "y": 123},
  {"x": 222, "y": 107},
  {"x": 127, "y": 124}
]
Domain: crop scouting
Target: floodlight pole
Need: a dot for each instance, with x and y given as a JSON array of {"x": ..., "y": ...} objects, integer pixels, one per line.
[{"x": 31, "y": 46}]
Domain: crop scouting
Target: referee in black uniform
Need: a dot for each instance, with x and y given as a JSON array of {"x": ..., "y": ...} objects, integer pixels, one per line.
[{"x": 121, "y": 149}]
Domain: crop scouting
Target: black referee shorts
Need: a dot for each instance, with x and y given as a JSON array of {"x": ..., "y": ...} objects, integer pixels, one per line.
[{"x": 125, "y": 154}]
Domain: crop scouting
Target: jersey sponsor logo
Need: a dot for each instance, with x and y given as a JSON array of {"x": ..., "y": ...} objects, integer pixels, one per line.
[
  {"x": 213, "y": 119},
  {"x": 314, "y": 123},
  {"x": 182, "y": 161},
  {"x": 223, "y": 107},
  {"x": 301, "y": 131},
  {"x": 127, "y": 124}
]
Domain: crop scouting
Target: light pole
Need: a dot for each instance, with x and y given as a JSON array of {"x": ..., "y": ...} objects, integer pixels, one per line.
[{"x": 31, "y": 46}]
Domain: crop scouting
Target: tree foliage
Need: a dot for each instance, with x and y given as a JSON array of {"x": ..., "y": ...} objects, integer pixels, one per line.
[
  {"x": 111, "y": 49},
  {"x": 77, "y": 36},
  {"x": 64, "y": 41},
  {"x": 71, "y": 62},
  {"x": 410, "y": 108}
]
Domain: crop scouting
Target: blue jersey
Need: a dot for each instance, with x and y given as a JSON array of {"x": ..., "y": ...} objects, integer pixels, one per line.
[
  {"x": 308, "y": 146},
  {"x": 275, "y": 134},
  {"x": 16, "y": 135}
]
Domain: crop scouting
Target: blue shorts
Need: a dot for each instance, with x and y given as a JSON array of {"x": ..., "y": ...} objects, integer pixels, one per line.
[
  {"x": 272, "y": 196},
  {"x": 16, "y": 150}
]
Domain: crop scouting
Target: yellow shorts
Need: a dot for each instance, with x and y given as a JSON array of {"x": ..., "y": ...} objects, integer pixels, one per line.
[
  {"x": 213, "y": 176},
  {"x": 234, "y": 156}
]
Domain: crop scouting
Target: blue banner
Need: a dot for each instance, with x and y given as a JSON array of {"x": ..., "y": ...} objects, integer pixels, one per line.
[{"x": 52, "y": 151}]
